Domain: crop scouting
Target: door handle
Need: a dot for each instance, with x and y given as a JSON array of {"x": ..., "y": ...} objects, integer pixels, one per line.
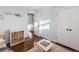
[
  {"x": 70, "y": 29},
  {"x": 67, "y": 29}
]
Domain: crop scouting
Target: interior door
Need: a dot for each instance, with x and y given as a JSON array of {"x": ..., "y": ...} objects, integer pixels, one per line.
[
  {"x": 74, "y": 26},
  {"x": 30, "y": 22},
  {"x": 62, "y": 27}
]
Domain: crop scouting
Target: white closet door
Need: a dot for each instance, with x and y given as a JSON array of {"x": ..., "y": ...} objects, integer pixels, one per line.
[
  {"x": 74, "y": 25},
  {"x": 62, "y": 26}
]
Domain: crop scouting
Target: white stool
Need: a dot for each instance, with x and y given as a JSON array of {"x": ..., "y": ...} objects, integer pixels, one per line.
[{"x": 48, "y": 48}]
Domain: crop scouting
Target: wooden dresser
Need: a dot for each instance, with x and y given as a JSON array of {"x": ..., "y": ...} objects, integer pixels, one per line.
[{"x": 16, "y": 37}]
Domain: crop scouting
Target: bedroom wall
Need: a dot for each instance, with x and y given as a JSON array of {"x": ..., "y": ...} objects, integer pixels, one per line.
[
  {"x": 47, "y": 23},
  {"x": 15, "y": 23}
]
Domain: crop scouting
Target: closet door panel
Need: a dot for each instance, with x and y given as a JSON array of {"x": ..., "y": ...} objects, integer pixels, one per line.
[
  {"x": 62, "y": 26},
  {"x": 74, "y": 26}
]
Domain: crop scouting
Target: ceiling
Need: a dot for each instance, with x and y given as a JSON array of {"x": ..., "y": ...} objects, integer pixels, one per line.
[
  {"x": 17, "y": 9},
  {"x": 25, "y": 9},
  {"x": 22, "y": 9}
]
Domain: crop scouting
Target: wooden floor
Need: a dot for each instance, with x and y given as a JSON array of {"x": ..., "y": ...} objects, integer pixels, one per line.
[
  {"x": 22, "y": 47},
  {"x": 62, "y": 48},
  {"x": 29, "y": 44}
]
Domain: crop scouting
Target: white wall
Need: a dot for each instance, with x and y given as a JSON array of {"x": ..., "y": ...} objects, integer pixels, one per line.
[
  {"x": 14, "y": 22},
  {"x": 47, "y": 23}
]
